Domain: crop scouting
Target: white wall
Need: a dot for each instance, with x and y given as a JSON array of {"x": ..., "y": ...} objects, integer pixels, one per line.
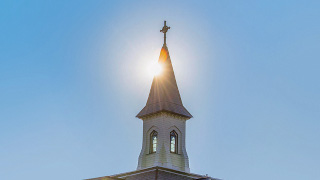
[{"x": 164, "y": 123}]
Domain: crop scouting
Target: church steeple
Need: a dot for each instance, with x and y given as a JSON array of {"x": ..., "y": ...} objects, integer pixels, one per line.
[
  {"x": 164, "y": 93},
  {"x": 164, "y": 120},
  {"x": 163, "y": 154}
]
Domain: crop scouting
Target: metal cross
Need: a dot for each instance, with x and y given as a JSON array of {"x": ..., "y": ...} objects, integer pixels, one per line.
[{"x": 165, "y": 30}]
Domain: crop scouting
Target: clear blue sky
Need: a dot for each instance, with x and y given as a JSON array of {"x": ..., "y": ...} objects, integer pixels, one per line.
[{"x": 72, "y": 79}]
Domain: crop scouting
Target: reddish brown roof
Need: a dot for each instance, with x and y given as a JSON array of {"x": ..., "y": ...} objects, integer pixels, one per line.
[{"x": 164, "y": 94}]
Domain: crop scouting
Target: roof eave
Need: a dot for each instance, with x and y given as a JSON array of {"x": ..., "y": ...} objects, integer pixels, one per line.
[{"x": 166, "y": 111}]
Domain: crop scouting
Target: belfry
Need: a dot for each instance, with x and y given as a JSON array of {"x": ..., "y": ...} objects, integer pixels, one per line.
[{"x": 163, "y": 155}]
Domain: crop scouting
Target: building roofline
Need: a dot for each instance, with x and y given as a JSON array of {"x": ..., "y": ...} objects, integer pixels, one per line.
[{"x": 154, "y": 168}]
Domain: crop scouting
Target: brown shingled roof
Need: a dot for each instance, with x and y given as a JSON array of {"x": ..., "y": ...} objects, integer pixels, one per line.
[{"x": 164, "y": 94}]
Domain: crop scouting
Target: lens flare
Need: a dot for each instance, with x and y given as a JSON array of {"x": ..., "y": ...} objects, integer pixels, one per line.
[
  {"x": 163, "y": 55},
  {"x": 155, "y": 69}
]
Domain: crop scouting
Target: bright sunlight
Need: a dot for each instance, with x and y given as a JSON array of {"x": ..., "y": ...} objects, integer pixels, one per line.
[{"x": 154, "y": 69}]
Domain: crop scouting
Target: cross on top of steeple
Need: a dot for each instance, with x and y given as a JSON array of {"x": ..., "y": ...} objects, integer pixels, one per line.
[{"x": 165, "y": 30}]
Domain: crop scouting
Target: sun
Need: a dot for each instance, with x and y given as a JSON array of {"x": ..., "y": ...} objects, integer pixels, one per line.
[{"x": 154, "y": 69}]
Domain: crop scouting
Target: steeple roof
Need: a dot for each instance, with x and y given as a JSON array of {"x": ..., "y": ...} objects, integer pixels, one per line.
[{"x": 164, "y": 94}]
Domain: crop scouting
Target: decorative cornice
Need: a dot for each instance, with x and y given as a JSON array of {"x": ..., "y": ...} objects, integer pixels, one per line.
[{"x": 165, "y": 114}]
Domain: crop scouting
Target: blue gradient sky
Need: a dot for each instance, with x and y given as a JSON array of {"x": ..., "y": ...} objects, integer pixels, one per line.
[{"x": 73, "y": 77}]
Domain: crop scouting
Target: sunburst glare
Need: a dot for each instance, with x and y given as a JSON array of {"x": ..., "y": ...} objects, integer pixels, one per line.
[{"x": 154, "y": 69}]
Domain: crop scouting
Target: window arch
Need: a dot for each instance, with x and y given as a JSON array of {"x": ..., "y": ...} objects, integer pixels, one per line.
[
  {"x": 153, "y": 141},
  {"x": 173, "y": 142}
]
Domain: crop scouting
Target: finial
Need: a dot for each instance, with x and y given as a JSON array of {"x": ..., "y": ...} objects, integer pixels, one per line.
[{"x": 165, "y": 30}]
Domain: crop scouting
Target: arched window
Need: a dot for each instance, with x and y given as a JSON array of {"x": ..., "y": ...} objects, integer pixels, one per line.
[
  {"x": 153, "y": 141},
  {"x": 173, "y": 142}
]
